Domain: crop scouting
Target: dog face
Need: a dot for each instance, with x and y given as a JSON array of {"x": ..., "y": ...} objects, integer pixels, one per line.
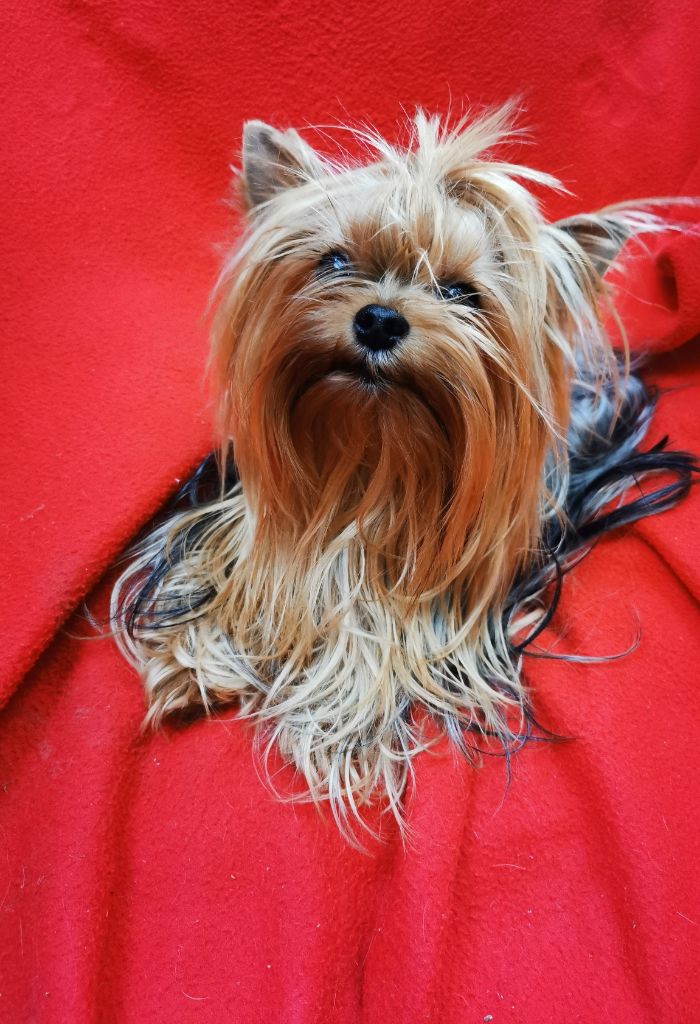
[{"x": 394, "y": 352}]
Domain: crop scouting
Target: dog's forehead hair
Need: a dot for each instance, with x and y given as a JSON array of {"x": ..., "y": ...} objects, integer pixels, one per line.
[{"x": 410, "y": 223}]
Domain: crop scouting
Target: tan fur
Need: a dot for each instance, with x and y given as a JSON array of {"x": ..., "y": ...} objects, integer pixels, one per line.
[{"x": 359, "y": 571}]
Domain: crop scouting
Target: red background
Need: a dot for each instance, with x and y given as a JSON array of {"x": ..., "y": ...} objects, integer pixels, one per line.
[{"x": 155, "y": 878}]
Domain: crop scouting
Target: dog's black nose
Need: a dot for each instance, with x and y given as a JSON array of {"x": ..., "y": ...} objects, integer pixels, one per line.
[{"x": 379, "y": 327}]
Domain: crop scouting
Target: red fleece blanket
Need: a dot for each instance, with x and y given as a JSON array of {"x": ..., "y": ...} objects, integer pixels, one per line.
[{"x": 154, "y": 878}]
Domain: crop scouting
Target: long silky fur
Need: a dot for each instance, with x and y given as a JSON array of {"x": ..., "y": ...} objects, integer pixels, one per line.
[{"x": 393, "y": 537}]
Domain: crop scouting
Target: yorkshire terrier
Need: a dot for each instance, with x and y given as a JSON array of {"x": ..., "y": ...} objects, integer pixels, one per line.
[{"x": 423, "y": 423}]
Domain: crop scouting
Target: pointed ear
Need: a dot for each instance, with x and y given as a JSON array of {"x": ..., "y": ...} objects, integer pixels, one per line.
[
  {"x": 600, "y": 235},
  {"x": 273, "y": 161}
]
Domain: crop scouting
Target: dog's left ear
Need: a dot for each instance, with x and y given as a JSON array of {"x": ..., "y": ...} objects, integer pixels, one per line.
[
  {"x": 273, "y": 161},
  {"x": 600, "y": 235}
]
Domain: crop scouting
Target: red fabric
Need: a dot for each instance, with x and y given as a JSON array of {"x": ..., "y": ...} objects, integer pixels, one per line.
[
  {"x": 154, "y": 878},
  {"x": 658, "y": 294}
]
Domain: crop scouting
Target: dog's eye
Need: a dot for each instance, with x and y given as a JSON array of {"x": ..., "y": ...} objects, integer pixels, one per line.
[
  {"x": 334, "y": 262},
  {"x": 459, "y": 291}
]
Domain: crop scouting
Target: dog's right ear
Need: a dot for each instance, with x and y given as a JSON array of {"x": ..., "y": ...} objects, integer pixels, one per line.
[
  {"x": 273, "y": 161},
  {"x": 600, "y": 235}
]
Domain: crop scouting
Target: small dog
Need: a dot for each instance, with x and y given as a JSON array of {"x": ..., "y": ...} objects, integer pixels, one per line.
[{"x": 427, "y": 422}]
